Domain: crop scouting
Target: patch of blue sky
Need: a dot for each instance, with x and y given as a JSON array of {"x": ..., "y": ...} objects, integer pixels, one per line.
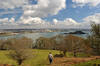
[
  {"x": 9, "y": 13},
  {"x": 33, "y": 1},
  {"x": 77, "y": 13}
]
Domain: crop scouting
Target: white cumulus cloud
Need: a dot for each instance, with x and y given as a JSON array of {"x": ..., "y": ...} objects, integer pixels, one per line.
[
  {"x": 33, "y": 14},
  {"x": 93, "y": 18},
  {"x": 44, "y": 8},
  {"x": 12, "y": 3},
  {"x": 37, "y": 22},
  {"x": 81, "y": 3}
]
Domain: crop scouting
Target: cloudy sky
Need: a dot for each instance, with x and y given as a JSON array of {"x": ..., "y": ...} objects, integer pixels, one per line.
[{"x": 49, "y": 13}]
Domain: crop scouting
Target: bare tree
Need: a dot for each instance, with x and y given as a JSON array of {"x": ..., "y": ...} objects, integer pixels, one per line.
[
  {"x": 21, "y": 49},
  {"x": 75, "y": 44},
  {"x": 45, "y": 43}
]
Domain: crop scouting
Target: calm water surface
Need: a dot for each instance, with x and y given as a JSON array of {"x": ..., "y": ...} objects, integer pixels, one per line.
[{"x": 37, "y": 35}]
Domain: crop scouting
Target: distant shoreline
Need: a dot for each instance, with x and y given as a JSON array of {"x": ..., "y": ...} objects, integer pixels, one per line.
[{"x": 7, "y": 34}]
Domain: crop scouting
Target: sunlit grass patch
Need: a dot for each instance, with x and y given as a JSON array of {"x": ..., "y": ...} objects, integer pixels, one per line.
[{"x": 89, "y": 63}]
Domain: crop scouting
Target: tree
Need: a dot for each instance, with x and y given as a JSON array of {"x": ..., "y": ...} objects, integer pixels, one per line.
[
  {"x": 1, "y": 44},
  {"x": 60, "y": 44},
  {"x": 74, "y": 44},
  {"x": 21, "y": 49},
  {"x": 88, "y": 49},
  {"x": 45, "y": 43},
  {"x": 58, "y": 41},
  {"x": 4, "y": 44},
  {"x": 95, "y": 38}
]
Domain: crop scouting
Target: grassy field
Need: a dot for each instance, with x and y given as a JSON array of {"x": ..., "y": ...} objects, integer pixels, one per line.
[{"x": 40, "y": 58}]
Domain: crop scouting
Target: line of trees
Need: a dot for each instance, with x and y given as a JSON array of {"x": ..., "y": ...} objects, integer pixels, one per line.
[{"x": 65, "y": 44}]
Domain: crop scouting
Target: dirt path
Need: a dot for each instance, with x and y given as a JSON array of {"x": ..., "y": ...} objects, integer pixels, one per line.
[{"x": 69, "y": 61}]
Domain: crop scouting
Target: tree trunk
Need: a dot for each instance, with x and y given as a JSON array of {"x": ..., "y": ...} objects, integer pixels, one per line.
[
  {"x": 75, "y": 54},
  {"x": 64, "y": 52},
  {"x": 20, "y": 62}
]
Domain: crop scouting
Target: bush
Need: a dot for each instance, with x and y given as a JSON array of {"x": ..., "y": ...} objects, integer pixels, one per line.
[{"x": 59, "y": 55}]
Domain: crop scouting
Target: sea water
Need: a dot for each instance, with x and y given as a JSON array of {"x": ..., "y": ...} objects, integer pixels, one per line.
[{"x": 35, "y": 36}]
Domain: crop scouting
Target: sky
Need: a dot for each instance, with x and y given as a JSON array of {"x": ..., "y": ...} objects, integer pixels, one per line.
[{"x": 49, "y": 13}]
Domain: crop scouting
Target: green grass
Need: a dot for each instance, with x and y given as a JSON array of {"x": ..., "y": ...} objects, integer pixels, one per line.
[
  {"x": 70, "y": 54},
  {"x": 89, "y": 63},
  {"x": 5, "y": 59},
  {"x": 40, "y": 58}
]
